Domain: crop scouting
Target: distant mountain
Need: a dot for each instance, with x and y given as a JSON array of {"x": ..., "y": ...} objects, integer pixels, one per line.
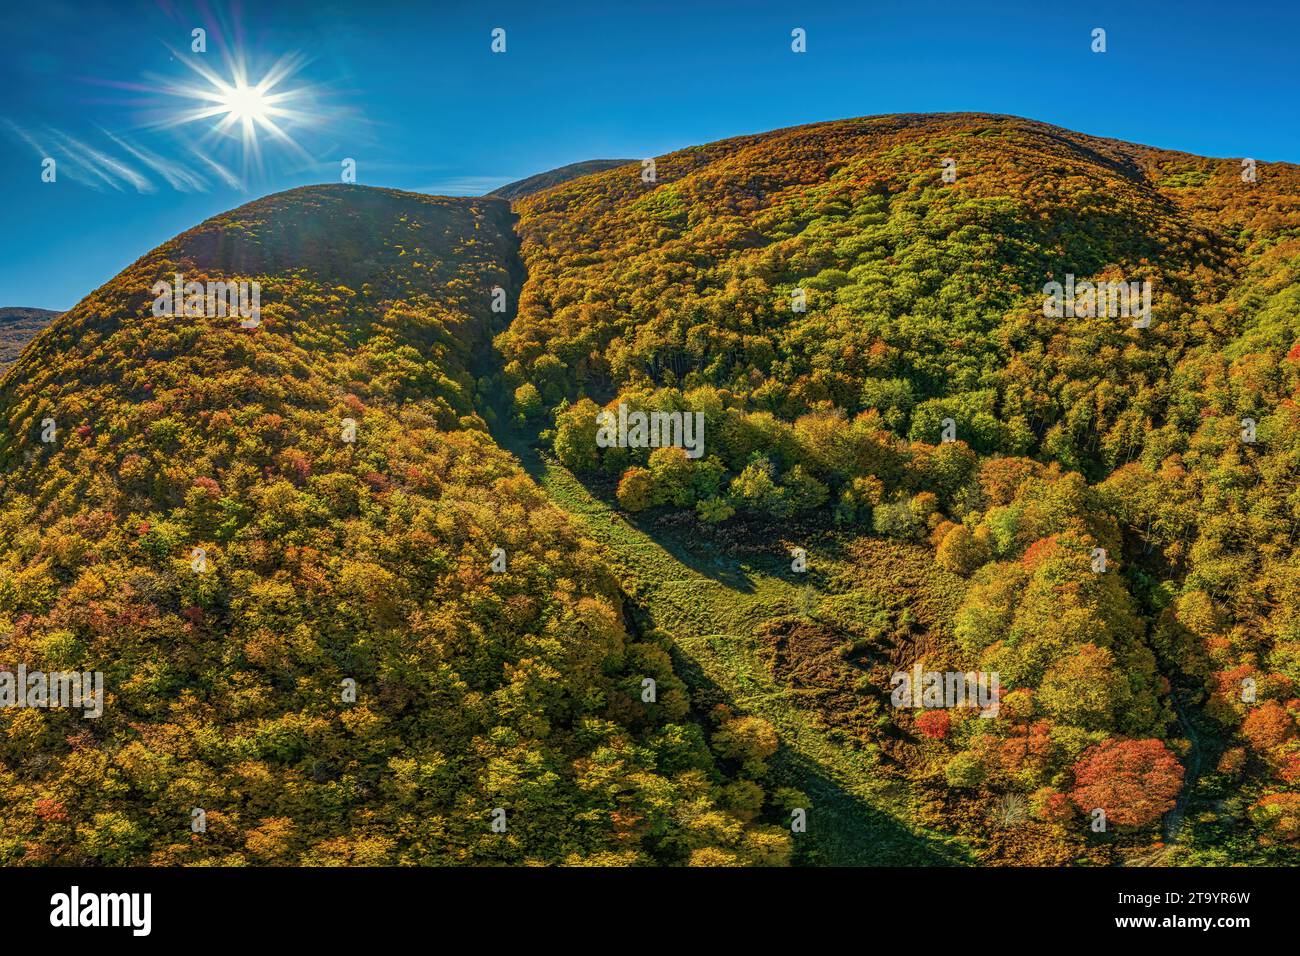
[
  {"x": 554, "y": 177},
  {"x": 19, "y": 326}
]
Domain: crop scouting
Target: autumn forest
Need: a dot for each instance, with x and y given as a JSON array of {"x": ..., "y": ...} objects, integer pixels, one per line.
[{"x": 370, "y": 583}]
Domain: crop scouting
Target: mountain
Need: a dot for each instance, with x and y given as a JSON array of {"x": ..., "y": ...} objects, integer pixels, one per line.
[
  {"x": 858, "y": 212},
  {"x": 863, "y": 313},
  {"x": 536, "y": 183},
  {"x": 973, "y": 395},
  {"x": 336, "y": 624},
  {"x": 18, "y": 327}
]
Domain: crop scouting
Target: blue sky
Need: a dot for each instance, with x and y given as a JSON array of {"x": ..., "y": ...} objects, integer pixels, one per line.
[{"x": 413, "y": 93}]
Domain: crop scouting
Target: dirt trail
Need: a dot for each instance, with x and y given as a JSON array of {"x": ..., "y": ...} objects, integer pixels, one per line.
[{"x": 1191, "y": 771}]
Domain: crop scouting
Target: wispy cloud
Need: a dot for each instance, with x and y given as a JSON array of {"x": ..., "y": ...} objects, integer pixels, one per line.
[
  {"x": 37, "y": 142},
  {"x": 178, "y": 176},
  {"x": 222, "y": 173},
  {"x": 123, "y": 164},
  {"x": 109, "y": 169},
  {"x": 462, "y": 185}
]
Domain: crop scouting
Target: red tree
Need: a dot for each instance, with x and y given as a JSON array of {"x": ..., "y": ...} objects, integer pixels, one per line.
[
  {"x": 1268, "y": 725},
  {"x": 934, "y": 723},
  {"x": 1134, "y": 781}
]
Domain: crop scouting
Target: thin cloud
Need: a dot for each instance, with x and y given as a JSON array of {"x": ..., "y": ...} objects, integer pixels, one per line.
[
  {"x": 98, "y": 169},
  {"x": 71, "y": 170},
  {"x": 109, "y": 169},
  {"x": 462, "y": 185},
  {"x": 225, "y": 175},
  {"x": 178, "y": 176}
]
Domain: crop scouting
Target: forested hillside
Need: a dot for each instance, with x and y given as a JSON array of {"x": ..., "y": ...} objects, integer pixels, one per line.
[
  {"x": 279, "y": 542},
  {"x": 340, "y": 623},
  {"x": 867, "y": 340}
]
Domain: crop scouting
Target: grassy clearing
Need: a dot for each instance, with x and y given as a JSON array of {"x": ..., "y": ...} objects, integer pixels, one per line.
[{"x": 711, "y": 603}]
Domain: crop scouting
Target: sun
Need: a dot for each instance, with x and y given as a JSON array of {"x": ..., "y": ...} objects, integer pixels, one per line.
[
  {"x": 245, "y": 103},
  {"x": 243, "y": 110}
]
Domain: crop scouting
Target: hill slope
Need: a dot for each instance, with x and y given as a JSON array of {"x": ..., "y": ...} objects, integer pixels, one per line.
[
  {"x": 1101, "y": 512},
  {"x": 867, "y": 340},
  {"x": 277, "y": 544}
]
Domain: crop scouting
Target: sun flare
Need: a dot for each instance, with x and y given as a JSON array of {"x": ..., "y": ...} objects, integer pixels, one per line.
[{"x": 244, "y": 110}]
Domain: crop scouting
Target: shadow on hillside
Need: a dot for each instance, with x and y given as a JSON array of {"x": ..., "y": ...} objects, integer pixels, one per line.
[
  {"x": 696, "y": 554},
  {"x": 847, "y": 831},
  {"x": 843, "y": 829}
]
